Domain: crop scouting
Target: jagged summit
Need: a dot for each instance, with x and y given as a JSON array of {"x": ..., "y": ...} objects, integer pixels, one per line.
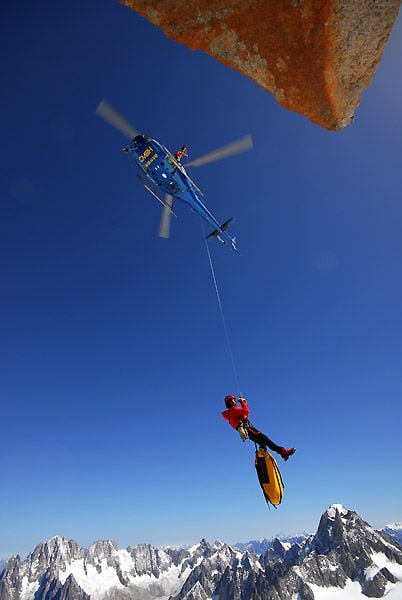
[
  {"x": 56, "y": 544},
  {"x": 336, "y": 508},
  {"x": 344, "y": 553},
  {"x": 56, "y": 539},
  {"x": 103, "y": 548}
]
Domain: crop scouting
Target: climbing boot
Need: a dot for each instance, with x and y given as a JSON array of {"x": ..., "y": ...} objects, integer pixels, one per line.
[{"x": 286, "y": 452}]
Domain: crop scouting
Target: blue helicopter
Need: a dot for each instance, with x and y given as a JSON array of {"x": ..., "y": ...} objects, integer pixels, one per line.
[{"x": 163, "y": 175}]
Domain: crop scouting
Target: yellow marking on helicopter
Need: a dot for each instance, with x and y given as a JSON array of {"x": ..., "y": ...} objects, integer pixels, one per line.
[
  {"x": 145, "y": 154},
  {"x": 151, "y": 160}
]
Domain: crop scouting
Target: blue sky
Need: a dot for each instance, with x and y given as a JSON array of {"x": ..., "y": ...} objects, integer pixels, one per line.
[{"x": 113, "y": 359}]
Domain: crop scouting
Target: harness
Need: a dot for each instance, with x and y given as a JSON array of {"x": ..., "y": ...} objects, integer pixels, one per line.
[{"x": 242, "y": 428}]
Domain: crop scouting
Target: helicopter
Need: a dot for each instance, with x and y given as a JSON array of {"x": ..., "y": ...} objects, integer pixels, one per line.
[{"x": 166, "y": 179}]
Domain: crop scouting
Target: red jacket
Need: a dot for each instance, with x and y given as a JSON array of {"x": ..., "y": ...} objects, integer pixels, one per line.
[
  {"x": 179, "y": 155},
  {"x": 236, "y": 414}
]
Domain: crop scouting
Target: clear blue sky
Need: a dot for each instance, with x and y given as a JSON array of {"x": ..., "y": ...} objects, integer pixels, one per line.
[{"x": 113, "y": 359}]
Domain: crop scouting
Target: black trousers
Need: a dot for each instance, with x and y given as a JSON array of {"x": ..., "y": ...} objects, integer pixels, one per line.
[{"x": 261, "y": 439}]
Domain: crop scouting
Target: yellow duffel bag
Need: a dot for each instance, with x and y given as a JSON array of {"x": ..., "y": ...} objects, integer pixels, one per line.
[{"x": 269, "y": 477}]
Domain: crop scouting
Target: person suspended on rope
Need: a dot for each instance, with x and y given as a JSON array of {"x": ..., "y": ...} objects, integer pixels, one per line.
[{"x": 237, "y": 416}]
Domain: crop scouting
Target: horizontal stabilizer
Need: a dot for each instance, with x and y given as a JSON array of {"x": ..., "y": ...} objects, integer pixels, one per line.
[
  {"x": 226, "y": 224},
  {"x": 216, "y": 232}
]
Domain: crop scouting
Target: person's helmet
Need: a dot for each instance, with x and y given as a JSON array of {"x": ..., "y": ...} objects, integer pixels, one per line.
[
  {"x": 230, "y": 401},
  {"x": 184, "y": 148}
]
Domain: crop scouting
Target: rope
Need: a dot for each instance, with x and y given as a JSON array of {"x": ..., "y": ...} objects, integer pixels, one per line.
[{"x": 225, "y": 328}]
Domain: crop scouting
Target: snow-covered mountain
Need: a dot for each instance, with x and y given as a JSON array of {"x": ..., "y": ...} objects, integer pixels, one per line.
[
  {"x": 262, "y": 546},
  {"x": 394, "y": 531},
  {"x": 344, "y": 559}
]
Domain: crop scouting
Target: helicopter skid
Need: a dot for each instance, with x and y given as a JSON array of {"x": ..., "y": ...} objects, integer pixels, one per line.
[{"x": 165, "y": 204}]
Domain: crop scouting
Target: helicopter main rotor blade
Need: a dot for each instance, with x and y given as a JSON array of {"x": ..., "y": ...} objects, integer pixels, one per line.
[
  {"x": 241, "y": 145},
  {"x": 115, "y": 119},
  {"x": 164, "y": 228}
]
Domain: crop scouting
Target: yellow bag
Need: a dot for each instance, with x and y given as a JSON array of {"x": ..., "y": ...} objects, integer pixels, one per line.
[{"x": 269, "y": 477}]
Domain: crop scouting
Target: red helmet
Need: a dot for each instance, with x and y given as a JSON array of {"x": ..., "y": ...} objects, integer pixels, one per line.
[{"x": 230, "y": 401}]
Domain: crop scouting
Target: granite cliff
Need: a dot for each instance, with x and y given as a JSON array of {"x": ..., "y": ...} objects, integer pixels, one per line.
[{"x": 314, "y": 56}]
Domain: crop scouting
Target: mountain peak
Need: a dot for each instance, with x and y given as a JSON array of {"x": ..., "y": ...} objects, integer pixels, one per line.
[
  {"x": 56, "y": 549},
  {"x": 55, "y": 542},
  {"x": 56, "y": 539},
  {"x": 334, "y": 508},
  {"x": 103, "y": 548}
]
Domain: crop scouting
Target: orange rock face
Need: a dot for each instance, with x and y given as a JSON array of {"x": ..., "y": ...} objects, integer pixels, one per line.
[{"x": 315, "y": 56}]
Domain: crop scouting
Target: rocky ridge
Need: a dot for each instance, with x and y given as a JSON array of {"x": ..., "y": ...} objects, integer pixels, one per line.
[
  {"x": 345, "y": 551},
  {"x": 263, "y": 545}
]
